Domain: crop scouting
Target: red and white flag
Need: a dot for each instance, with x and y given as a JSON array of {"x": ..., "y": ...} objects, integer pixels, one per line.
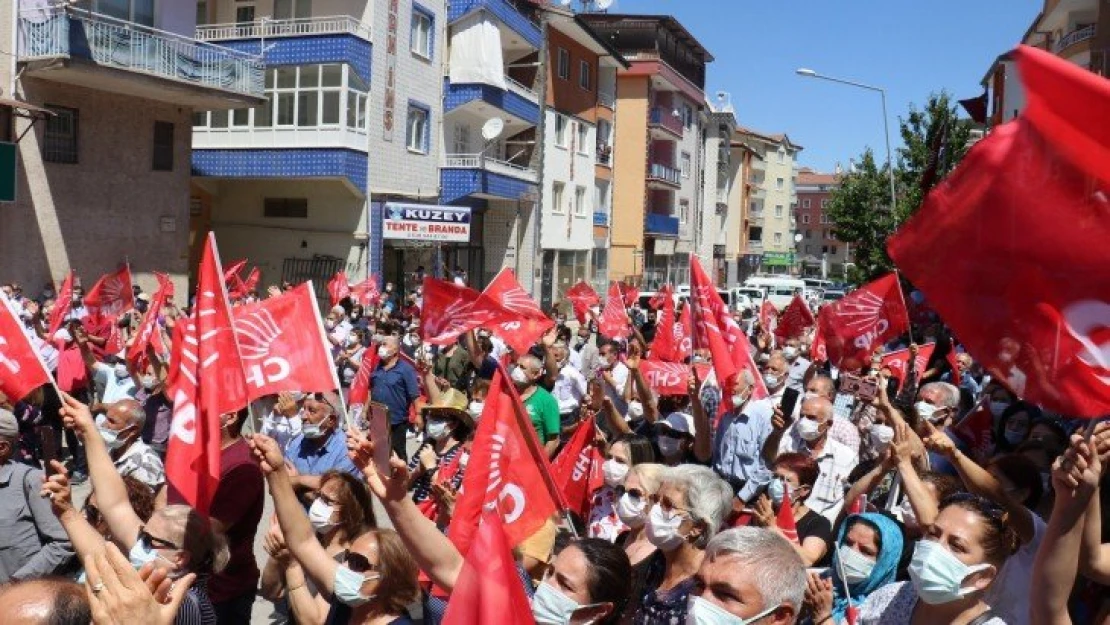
[
  {"x": 976, "y": 429},
  {"x": 366, "y": 293},
  {"x": 665, "y": 378},
  {"x": 613, "y": 321},
  {"x": 338, "y": 288},
  {"x": 63, "y": 303},
  {"x": 684, "y": 334},
  {"x": 577, "y": 469},
  {"x": 954, "y": 364},
  {"x": 209, "y": 383},
  {"x": 21, "y": 369},
  {"x": 1021, "y": 226},
  {"x": 665, "y": 346},
  {"x": 795, "y": 319},
  {"x": 507, "y": 470},
  {"x": 629, "y": 294},
  {"x": 767, "y": 316},
  {"x": 522, "y": 322},
  {"x": 488, "y": 587},
  {"x": 281, "y": 347},
  {"x": 359, "y": 393},
  {"x": 111, "y": 295},
  {"x": 240, "y": 287},
  {"x": 582, "y": 296},
  {"x": 450, "y": 311},
  {"x": 136, "y": 353},
  {"x": 232, "y": 272},
  {"x": 864, "y": 319},
  {"x": 898, "y": 361},
  {"x": 818, "y": 350}
]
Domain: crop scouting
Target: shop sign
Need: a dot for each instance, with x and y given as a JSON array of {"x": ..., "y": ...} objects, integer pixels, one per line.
[{"x": 426, "y": 222}]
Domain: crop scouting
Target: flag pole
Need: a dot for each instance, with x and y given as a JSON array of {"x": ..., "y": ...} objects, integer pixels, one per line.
[
  {"x": 227, "y": 305},
  {"x": 327, "y": 349},
  {"x": 38, "y": 355},
  {"x": 905, "y": 309}
]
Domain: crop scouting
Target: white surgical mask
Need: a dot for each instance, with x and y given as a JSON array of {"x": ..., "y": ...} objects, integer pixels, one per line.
[
  {"x": 635, "y": 410},
  {"x": 384, "y": 352},
  {"x": 319, "y": 514},
  {"x": 348, "y": 586},
  {"x": 925, "y": 410},
  {"x": 475, "y": 409},
  {"x": 438, "y": 429},
  {"x": 312, "y": 431},
  {"x": 790, "y": 352},
  {"x": 111, "y": 438},
  {"x": 148, "y": 382},
  {"x": 771, "y": 380},
  {"x": 662, "y": 531},
  {"x": 143, "y": 553},
  {"x": 121, "y": 371},
  {"x": 704, "y": 612},
  {"x": 631, "y": 510},
  {"x": 857, "y": 567},
  {"x": 551, "y": 607},
  {"x": 881, "y": 437},
  {"x": 519, "y": 376},
  {"x": 614, "y": 472},
  {"x": 738, "y": 400},
  {"x": 669, "y": 446},
  {"x": 938, "y": 575},
  {"x": 776, "y": 490},
  {"x": 809, "y": 430}
]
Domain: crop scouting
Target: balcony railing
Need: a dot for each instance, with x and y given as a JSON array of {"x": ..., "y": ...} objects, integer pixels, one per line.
[
  {"x": 722, "y": 196},
  {"x": 758, "y": 193},
  {"x": 758, "y": 164},
  {"x": 601, "y": 218},
  {"x": 295, "y": 27},
  {"x": 67, "y": 32},
  {"x": 604, "y": 154},
  {"x": 665, "y": 118},
  {"x": 607, "y": 100},
  {"x": 521, "y": 90},
  {"x": 490, "y": 164},
  {"x": 1074, "y": 37},
  {"x": 665, "y": 225},
  {"x": 755, "y": 217},
  {"x": 755, "y": 247},
  {"x": 658, "y": 171}
]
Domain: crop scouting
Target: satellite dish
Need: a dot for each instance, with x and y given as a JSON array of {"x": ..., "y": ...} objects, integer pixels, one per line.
[
  {"x": 602, "y": 5},
  {"x": 492, "y": 128}
]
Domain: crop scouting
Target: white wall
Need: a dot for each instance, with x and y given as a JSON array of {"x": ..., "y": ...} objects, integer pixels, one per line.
[
  {"x": 562, "y": 228},
  {"x": 775, "y": 198},
  {"x": 690, "y": 190},
  {"x": 363, "y": 9}
]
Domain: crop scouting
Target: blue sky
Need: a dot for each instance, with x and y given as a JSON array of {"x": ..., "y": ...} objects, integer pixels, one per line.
[{"x": 910, "y": 47}]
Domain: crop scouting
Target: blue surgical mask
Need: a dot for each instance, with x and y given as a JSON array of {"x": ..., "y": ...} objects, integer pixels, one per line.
[
  {"x": 776, "y": 490},
  {"x": 143, "y": 553},
  {"x": 704, "y": 612},
  {"x": 348, "y": 586},
  {"x": 938, "y": 575}
]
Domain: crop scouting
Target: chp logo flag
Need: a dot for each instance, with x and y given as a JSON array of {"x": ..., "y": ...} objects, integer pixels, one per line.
[
  {"x": 665, "y": 378},
  {"x": 898, "y": 361},
  {"x": 818, "y": 350},
  {"x": 488, "y": 583},
  {"x": 796, "y": 317},
  {"x": 1037, "y": 316},
  {"x": 450, "y": 311},
  {"x": 864, "y": 319},
  {"x": 507, "y": 471},
  {"x": 666, "y": 344},
  {"x": 576, "y": 471},
  {"x": 366, "y": 293},
  {"x": 21, "y": 370},
  {"x": 281, "y": 346},
  {"x": 111, "y": 295},
  {"x": 62, "y": 305},
  {"x": 521, "y": 322},
  {"x": 613, "y": 321},
  {"x": 629, "y": 293},
  {"x": 208, "y": 382},
  {"x": 136, "y": 353},
  {"x": 767, "y": 316},
  {"x": 338, "y": 288},
  {"x": 582, "y": 296}
]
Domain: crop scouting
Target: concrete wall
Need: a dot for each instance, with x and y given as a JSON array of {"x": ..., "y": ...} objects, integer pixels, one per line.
[
  {"x": 362, "y": 9},
  {"x": 107, "y": 208},
  {"x": 629, "y": 182},
  {"x": 567, "y": 95},
  {"x": 573, "y": 166},
  {"x": 507, "y": 239},
  {"x": 772, "y": 222}
]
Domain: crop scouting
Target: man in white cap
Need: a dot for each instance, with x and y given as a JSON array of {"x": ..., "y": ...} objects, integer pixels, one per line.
[
  {"x": 33, "y": 543},
  {"x": 338, "y": 329},
  {"x": 674, "y": 436}
]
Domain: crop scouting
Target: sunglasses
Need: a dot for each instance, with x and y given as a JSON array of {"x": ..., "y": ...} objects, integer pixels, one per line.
[
  {"x": 359, "y": 563},
  {"x": 157, "y": 543},
  {"x": 634, "y": 493}
]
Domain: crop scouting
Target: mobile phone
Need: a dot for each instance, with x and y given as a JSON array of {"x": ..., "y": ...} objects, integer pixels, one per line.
[
  {"x": 789, "y": 401},
  {"x": 868, "y": 389}
]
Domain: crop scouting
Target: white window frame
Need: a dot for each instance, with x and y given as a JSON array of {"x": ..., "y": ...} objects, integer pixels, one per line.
[
  {"x": 563, "y": 64},
  {"x": 299, "y": 9},
  {"x": 417, "y": 138},
  {"x": 561, "y": 124},
  {"x": 778, "y": 238},
  {"x": 584, "y": 75},
  {"x": 557, "y": 191},
  {"x": 683, "y": 211},
  {"x": 779, "y": 184},
  {"x": 420, "y": 43},
  {"x": 778, "y": 211},
  {"x": 824, "y": 219},
  {"x": 583, "y": 131},
  {"x": 825, "y": 203},
  {"x": 805, "y": 219},
  {"x": 685, "y": 163},
  {"x": 580, "y": 201},
  {"x": 805, "y": 203},
  {"x": 782, "y": 156}
]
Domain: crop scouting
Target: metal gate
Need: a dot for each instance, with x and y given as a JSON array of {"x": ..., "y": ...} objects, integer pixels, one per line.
[{"x": 319, "y": 269}]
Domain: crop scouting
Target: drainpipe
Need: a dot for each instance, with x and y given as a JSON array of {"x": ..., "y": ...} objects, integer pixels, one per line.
[{"x": 537, "y": 206}]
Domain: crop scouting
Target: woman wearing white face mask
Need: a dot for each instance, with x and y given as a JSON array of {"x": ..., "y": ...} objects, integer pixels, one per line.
[
  {"x": 626, "y": 452},
  {"x": 633, "y": 507},
  {"x": 377, "y": 579},
  {"x": 688, "y": 509},
  {"x": 866, "y": 559},
  {"x": 447, "y": 424},
  {"x": 951, "y": 569}
]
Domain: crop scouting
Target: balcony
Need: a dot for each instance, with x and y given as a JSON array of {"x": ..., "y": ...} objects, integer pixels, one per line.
[
  {"x": 1074, "y": 37},
  {"x": 296, "y": 27},
  {"x": 518, "y": 101},
  {"x": 77, "y": 47},
  {"x": 754, "y": 247},
  {"x": 522, "y": 91},
  {"x": 758, "y": 193},
  {"x": 660, "y": 175},
  {"x": 665, "y": 121},
  {"x": 608, "y": 100},
  {"x": 755, "y": 217},
  {"x": 492, "y": 165},
  {"x": 604, "y": 155},
  {"x": 601, "y": 218},
  {"x": 660, "y": 225}
]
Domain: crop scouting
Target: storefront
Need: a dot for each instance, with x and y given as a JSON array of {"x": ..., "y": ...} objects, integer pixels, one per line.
[
  {"x": 431, "y": 240},
  {"x": 778, "y": 262}
]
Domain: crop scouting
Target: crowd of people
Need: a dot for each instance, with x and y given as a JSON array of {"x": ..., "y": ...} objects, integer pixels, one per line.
[{"x": 815, "y": 504}]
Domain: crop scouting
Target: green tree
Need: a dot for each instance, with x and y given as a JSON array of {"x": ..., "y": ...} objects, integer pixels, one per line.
[
  {"x": 859, "y": 211},
  {"x": 934, "y": 141}
]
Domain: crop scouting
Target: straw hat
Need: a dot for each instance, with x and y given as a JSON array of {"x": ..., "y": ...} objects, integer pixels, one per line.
[{"x": 453, "y": 402}]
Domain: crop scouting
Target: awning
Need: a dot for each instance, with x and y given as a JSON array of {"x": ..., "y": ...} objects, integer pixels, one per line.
[{"x": 30, "y": 108}]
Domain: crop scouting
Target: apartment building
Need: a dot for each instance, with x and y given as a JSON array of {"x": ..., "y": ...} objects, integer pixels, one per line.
[
  {"x": 721, "y": 220},
  {"x": 656, "y": 186},
  {"x": 771, "y": 226},
  {"x": 819, "y": 252},
  {"x": 98, "y": 98}
]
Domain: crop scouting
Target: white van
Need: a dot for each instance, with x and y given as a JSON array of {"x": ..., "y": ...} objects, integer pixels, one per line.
[{"x": 780, "y": 291}]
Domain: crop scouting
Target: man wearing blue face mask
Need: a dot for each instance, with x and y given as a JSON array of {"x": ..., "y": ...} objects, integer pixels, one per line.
[{"x": 321, "y": 446}]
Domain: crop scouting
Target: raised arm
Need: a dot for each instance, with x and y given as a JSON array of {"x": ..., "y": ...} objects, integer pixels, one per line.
[
  {"x": 1095, "y": 557},
  {"x": 778, "y": 428},
  {"x": 925, "y": 506},
  {"x": 83, "y": 536}
]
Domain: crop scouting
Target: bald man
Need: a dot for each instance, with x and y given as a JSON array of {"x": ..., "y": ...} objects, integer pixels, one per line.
[
  {"x": 45, "y": 601},
  {"x": 542, "y": 407},
  {"x": 394, "y": 383},
  {"x": 121, "y": 426}
]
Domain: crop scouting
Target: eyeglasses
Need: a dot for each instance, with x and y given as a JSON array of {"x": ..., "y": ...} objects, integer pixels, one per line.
[
  {"x": 359, "y": 563},
  {"x": 157, "y": 543},
  {"x": 667, "y": 506}
]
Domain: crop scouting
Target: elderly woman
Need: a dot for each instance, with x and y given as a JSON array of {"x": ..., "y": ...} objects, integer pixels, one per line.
[
  {"x": 686, "y": 512},
  {"x": 869, "y": 548},
  {"x": 628, "y": 451}
]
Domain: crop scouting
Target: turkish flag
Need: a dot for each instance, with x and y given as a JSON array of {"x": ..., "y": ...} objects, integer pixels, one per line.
[
  {"x": 582, "y": 296},
  {"x": 898, "y": 361},
  {"x": 613, "y": 321},
  {"x": 1021, "y": 226},
  {"x": 281, "y": 342},
  {"x": 21, "y": 370},
  {"x": 136, "y": 353},
  {"x": 785, "y": 518},
  {"x": 111, "y": 295},
  {"x": 62, "y": 305},
  {"x": 796, "y": 317},
  {"x": 576, "y": 471},
  {"x": 208, "y": 384},
  {"x": 507, "y": 469},
  {"x": 450, "y": 311},
  {"x": 338, "y": 288},
  {"x": 366, "y": 293},
  {"x": 864, "y": 319},
  {"x": 767, "y": 316},
  {"x": 629, "y": 294},
  {"x": 976, "y": 429},
  {"x": 665, "y": 346},
  {"x": 488, "y": 587},
  {"x": 360, "y": 386},
  {"x": 666, "y": 378},
  {"x": 521, "y": 321}
]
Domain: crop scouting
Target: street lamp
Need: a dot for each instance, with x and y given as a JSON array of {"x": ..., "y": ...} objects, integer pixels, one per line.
[{"x": 809, "y": 73}]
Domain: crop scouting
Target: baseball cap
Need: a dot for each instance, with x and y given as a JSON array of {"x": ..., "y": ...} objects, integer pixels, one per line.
[
  {"x": 9, "y": 426},
  {"x": 680, "y": 422}
]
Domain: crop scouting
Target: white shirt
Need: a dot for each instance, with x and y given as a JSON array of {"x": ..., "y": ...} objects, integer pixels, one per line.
[
  {"x": 499, "y": 348},
  {"x": 46, "y": 350},
  {"x": 281, "y": 428},
  {"x": 619, "y": 373},
  {"x": 115, "y": 387},
  {"x": 797, "y": 373},
  {"x": 569, "y": 389},
  {"x": 340, "y": 333},
  {"x": 835, "y": 463},
  {"x": 1008, "y": 596},
  {"x": 142, "y": 463}
]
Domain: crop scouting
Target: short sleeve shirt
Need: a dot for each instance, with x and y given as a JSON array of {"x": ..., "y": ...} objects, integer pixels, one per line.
[
  {"x": 142, "y": 463},
  {"x": 544, "y": 412}
]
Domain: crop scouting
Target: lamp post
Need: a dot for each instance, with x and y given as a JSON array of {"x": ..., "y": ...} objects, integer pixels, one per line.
[{"x": 809, "y": 73}]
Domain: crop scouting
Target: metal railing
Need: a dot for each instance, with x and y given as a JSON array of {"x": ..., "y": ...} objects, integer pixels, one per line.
[
  {"x": 758, "y": 164},
  {"x": 666, "y": 118},
  {"x": 604, "y": 154},
  {"x": 659, "y": 171},
  {"x": 755, "y": 247},
  {"x": 521, "y": 90},
  {"x": 294, "y": 27},
  {"x": 1075, "y": 36},
  {"x": 608, "y": 100},
  {"x": 54, "y": 32},
  {"x": 722, "y": 196},
  {"x": 490, "y": 164},
  {"x": 655, "y": 223},
  {"x": 758, "y": 193}
]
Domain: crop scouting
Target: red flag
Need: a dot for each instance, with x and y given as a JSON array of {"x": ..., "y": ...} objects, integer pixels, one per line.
[
  {"x": 582, "y": 296},
  {"x": 665, "y": 346},
  {"x": 659, "y": 300},
  {"x": 21, "y": 371},
  {"x": 62, "y": 305},
  {"x": 114, "y": 344},
  {"x": 488, "y": 583},
  {"x": 576, "y": 471},
  {"x": 865, "y": 318},
  {"x": 450, "y": 311},
  {"x": 666, "y": 378},
  {"x": 785, "y": 518},
  {"x": 1036, "y": 316},
  {"x": 818, "y": 350},
  {"x": 111, "y": 295},
  {"x": 796, "y": 317},
  {"x": 136, "y": 353},
  {"x": 360, "y": 386},
  {"x": 240, "y": 288},
  {"x": 338, "y": 288},
  {"x": 954, "y": 364},
  {"x": 366, "y": 292},
  {"x": 629, "y": 293},
  {"x": 281, "y": 345},
  {"x": 507, "y": 470},
  {"x": 522, "y": 322},
  {"x": 859, "y": 505},
  {"x": 209, "y": 383},
  {"x": 767, "y": 316},
  {"x": 976, "y": 430},
  {"x": 898, "y": 361},
  {"x": 684, "y": 334},
  {"x": 232, "y": 273},
  {"x": 613, "y": 321}
]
